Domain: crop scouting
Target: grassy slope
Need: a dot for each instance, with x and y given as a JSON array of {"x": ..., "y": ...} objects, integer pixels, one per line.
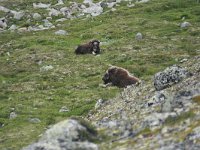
[{"x": 74, "y": 81}]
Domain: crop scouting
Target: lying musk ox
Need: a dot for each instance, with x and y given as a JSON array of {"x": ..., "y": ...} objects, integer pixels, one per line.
[
  {"x": 119, "y": 77},
  {"x": 90, "y": 48}
]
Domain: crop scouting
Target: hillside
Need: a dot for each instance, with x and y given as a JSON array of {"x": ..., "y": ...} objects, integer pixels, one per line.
[{"x": 43, "y": 82}]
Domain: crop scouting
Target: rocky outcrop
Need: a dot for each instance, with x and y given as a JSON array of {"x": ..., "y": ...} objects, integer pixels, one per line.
[
  {"x": 143, "y": 118},
  {"x": 66, "y": 135},
  {"x": 170, "y": 76}
]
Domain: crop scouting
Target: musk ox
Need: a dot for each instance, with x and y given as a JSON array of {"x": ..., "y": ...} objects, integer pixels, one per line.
[
  {"x": 90, "y": 48},
  {"x": 119, "y": 77}
]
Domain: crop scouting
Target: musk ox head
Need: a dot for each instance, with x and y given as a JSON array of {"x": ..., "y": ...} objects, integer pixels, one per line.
[{"x": 95, "y": 46}]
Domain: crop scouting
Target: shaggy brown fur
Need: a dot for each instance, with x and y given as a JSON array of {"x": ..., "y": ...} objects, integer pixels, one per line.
[
  {"x": 90, "y": 48},
  {"x": 119, "y": 77}
]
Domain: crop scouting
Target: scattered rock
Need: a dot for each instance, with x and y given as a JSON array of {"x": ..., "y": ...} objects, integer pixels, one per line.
[
  {"x": 170, "y": 76},
  {"x": 54, "y": 12},
  {"x": 167, "y": 105},
  {"x": 142, "y": 1},
  {"x": 46, "y": 68},
  {"x": 37, "y": 16},
  {"x": 185, "y": 24},
  {"x": 24, "y": 29},
  {"x": 34, "y": 120},
  {"x": 183, "y": 60},
  {"x": 41, "y": 5},
  {"x": 13, "y": 27},
  {"x": 60, "y": 2},
  {"x": 61, "y": 20},
  {"x": 64, "y": 109},
  {"x": 94, "y": 10},
  {"x": 4, "y": 9},
  {"x": 68, "y": 134},
  {"x": 99, "y": 103},
  {"x": 61, "y": 32},
  {"x": 18, "y": 15},
  {"x": 13, "y": 115},
  {"x": 138, "y": 36},
  {"x": 48, "y": 24}
]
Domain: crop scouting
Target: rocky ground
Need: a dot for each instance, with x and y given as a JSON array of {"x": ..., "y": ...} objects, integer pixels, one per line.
[
  {"x": 140, "y": 117},
  {"x": 144, "y": 118},
  {"x": 41, "y": 16}
]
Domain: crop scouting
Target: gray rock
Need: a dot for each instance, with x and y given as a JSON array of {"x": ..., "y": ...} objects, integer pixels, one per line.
[
  {"x": 185, "y": 24},
  {"x": 87, "y": 1},
  {"x": 143, "y": 1},
  {"x": 99, "y": 104},
  {"x": 18, "y": 15},
  {"x": 156, "y": 119},
  {"x": 46, "y": 68},
  {"x": 13, "y": 27},
  {"x": 60, "y": 2},
  {"x": 4, "y": 9},
  {"x": 61, "y": 32},
  {"x": 47, "y": 23},
  {"x": 138, "y": 36},
  {"x": 37, "y": 16},
  {"x": 94, "y": 10},
  {"x": 103, "y": 4},
  {"x": 34, "y": 120},
  {"x": 170, "y": 76},
  {"x": 24, "y": 29},
  {"x": 66, "y": 135},
  {"x": 13, "y": 115},
  {"x": 41, "y": 5},
  {"x": 54, "y": 12},
  {"x": 64, "y": 109},
  {"x": 61, "y": 20},
  {"x": 3, "y": 23},
  {"x": 184, "y": 97},
  {"x": 167, "y": 105}
]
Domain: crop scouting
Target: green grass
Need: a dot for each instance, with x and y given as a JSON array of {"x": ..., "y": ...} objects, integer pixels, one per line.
[{"x": 74, "y": 80}]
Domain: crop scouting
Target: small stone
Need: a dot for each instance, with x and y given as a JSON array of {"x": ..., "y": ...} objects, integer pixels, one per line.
[
  {"x": 34, "y": 120},
  {"x": 24, "y": 29},
  {"x": 54, "y": 12},
  {"x": 46, "y": 68},
  {"x": 64, "y": 109},
  {"x": 61, "y": 32},
  {"x": 47, "y": 23},
  {"x": 183, "y": 60},
  {"x": 13, "y": 115},
  {"x": 99, "y": 104},
  {"x": 41, "y": 5},
  {"x": 18, "y": 15},
  {"x": 138, "y": 36},
  {"x": 37, "y": 16},
  {"x": 60, "y": 2},
  {"x": 61, "y": 20},
  {"x": 185, "y": 24},
  {"x": 13, "y": 27}
]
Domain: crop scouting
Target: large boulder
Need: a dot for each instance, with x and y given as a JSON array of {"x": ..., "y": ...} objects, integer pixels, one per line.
[
  {"x": 66, "y": 135},
  {"x": 170, "y": 76}
]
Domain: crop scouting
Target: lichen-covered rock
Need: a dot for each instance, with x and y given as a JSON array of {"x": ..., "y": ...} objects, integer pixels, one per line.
[
  {"x": 66, "y": 135},
  {"x": 170, "y": 76},
  {"x": 37, "y": 16}
]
